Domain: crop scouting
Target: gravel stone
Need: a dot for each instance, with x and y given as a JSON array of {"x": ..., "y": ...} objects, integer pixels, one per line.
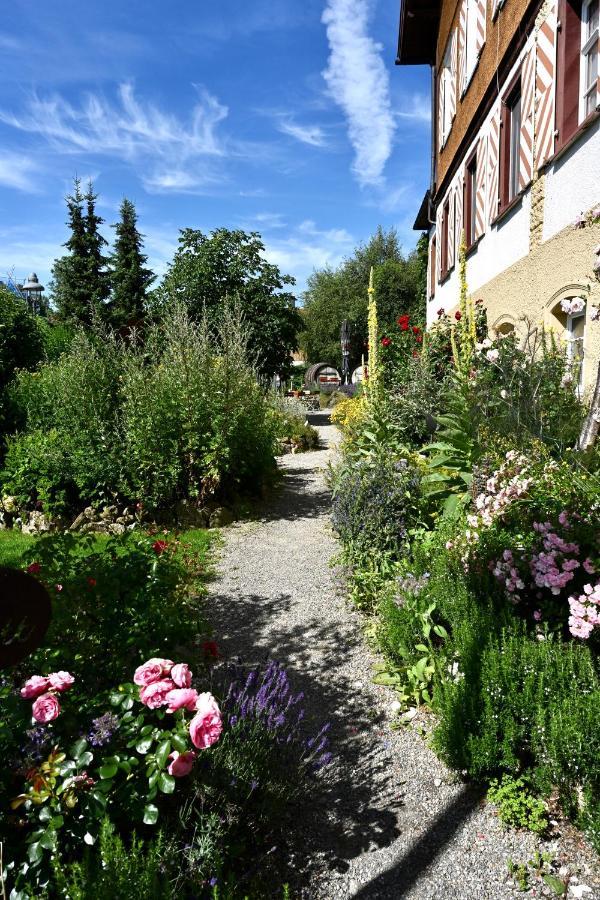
[{"x": 387, "y": 819}]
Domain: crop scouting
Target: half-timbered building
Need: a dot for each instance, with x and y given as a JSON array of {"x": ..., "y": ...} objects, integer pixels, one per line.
[{"x": 515, "y": 164}]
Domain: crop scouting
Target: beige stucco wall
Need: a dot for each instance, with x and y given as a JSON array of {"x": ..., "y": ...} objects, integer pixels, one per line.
[{"x": 534, "y": 287}]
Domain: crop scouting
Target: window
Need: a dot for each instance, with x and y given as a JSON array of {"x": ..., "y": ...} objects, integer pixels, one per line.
[
  {"x": 575, "y": 339},
  {"x": 510, "y": 145},
  {"x": 446, "y": 95},
  {"x": 470, "y": 201},
  {"x": 474, "y": 19},
  {"x": 445, "y": 234},
  {"x": 589, "y": 57},
  {"x": 577, "y": 66}
]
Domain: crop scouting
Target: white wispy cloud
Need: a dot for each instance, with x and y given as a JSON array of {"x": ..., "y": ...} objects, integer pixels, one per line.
[
  {"x": 306, "y": 134},
  {"x": 18, "y": 172},
  {"x": 176, "y": 155},
  {"x": 306, "y": 248},
  {"x": 419, "y": 109},
  {"x": 359, "y": 83}
]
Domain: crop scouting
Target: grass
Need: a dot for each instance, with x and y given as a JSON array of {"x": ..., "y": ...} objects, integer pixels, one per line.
[
  {"x": 13, "y": 545},
  {"x": 195, "y": 544}
]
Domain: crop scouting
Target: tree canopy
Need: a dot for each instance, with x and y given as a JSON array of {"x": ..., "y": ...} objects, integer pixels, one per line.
[
  {"x": 333, "y": 295},
  {"x": 229, "y": 266}
]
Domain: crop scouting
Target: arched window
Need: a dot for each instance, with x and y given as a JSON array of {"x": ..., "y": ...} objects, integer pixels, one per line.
[{"x": 568, "y": 308}]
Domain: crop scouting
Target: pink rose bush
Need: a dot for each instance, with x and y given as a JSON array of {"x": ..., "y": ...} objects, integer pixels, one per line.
[
  {"x": 181, "y": 698},
  {"x": 207, "y": 724},
  {"x": 42, "y": 690}
]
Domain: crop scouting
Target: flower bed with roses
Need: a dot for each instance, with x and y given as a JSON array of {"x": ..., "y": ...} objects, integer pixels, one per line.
[{"x": 165, "y": 755}]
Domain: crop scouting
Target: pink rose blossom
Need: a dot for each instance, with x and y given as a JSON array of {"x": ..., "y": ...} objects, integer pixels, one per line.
[
  {"x": 60, "y": 681},
  {"x": 46, "y": 708},
  {"x": 181, "y": 698},
  {"x": 588, "y": 566},
  {"x": 155, "y": 695},
  {"x": 181, "y": 763},
  {"x": 152, "y": 670},
  {"x": 181, "y": 675},
  {"x": 207, "y": 725},
  {"x": 147, "y": 673},
  {"x": 34, "y": 686},
  {"x": 537, "y": 615}
]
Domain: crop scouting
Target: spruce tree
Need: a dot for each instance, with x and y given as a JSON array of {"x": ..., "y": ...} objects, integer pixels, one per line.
[
  {"x": 98, "y": 279},
  {"x": 69, "y": 287},
  {"x": 129, "y": 276},
  {"x": 80, "y": 284}
]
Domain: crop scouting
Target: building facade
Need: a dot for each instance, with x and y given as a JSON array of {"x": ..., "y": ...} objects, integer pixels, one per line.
[{"x": 515, "y": 161}]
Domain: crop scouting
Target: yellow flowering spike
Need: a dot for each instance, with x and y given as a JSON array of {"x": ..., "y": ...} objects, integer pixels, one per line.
[{"x": 373, "y": 339}]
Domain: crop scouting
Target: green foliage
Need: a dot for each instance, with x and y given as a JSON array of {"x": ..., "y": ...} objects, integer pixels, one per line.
[
  {"x": 454, "y": 452},
  {"x": 130, "y": 279},
  {"x": 114, "y": 580},
  {"x": 375, "y": 503},
  {"x": 21, "y": 347},
  {"x": 291, "y": 426},
  {"x": 335, "y": 295},
  {"x": 116, "y": 870},
  {"x": 179, "y": 417},
  {"x": 209, "y": 273},
  {"x": 517, "y": 806}
]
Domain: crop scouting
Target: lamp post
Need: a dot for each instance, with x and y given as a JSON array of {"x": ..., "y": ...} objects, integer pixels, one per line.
[
  {"x": 33, "y": 290},
  {"x": 345, "y": 342}
]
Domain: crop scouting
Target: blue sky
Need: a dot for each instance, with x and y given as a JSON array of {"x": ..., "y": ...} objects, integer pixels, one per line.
[{"x": 287, "y": 117}]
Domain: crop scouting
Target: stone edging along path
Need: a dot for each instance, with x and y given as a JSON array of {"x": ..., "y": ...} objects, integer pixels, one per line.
[{"x": 389, "y": 820}]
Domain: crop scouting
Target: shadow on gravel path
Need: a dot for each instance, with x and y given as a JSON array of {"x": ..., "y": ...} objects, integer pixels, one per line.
[{"x": 387, "y": 819}]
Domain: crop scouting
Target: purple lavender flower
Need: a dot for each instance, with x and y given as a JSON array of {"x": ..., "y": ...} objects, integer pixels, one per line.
[{"x": 103, "y": 729}]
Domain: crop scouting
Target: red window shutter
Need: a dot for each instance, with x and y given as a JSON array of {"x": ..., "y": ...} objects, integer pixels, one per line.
[{"x": 568, "y": 70}]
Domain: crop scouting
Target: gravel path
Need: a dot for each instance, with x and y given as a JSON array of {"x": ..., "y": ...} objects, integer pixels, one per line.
[{"x": 389, "y": 820}]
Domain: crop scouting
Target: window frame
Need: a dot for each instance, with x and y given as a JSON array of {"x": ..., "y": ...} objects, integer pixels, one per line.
[
  {"x": 589, "y": 44},
  {"x": 470, "y": 200},
  {"x": 571, "y": 116},
  {"x": 432, "y": 267},
  {"x": 509, "y": 164},
  {"x": 445, "y": 237},
  {"x": 573, "y": 342}
]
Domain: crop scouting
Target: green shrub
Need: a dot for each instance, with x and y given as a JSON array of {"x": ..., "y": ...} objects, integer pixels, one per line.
[
  {"x": 375, "y": 503},
  {"x": 517, "y": 806},
  {"x": 115, "y": 870},
  {"x": 175, "y": 418},
  {"x": 112, "y": 592}
]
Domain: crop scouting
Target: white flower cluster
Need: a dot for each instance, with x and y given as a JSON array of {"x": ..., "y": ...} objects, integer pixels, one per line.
[{"x": 572, "y": 305}]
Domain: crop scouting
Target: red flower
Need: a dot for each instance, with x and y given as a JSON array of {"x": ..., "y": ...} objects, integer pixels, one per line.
[
  {"x": 419, "y": 339},
  {"x": 402, "y": 321},
  {"x": 415, "y": 354},
  {"x": 91, "y": 582},
  {"x": 386, "y": 341},
  {"x": 404, "y": 326},
  {"x": 159, "y": 547},
  {"x": 441, "y": 312},
  {"x": 34, "y": 568},
  {"x": 211, "y": 649},
  {"x": 458, "y": 315},
  {"x": 416, "y": 329}
]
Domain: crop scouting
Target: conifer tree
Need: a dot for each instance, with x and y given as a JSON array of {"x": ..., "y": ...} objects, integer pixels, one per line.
[
  {"x": 130, "y": 278},
  {"x": 80, "y": 286},
  {"x": 98, "y": 279},
  {"x": 69, "y": 287}
]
